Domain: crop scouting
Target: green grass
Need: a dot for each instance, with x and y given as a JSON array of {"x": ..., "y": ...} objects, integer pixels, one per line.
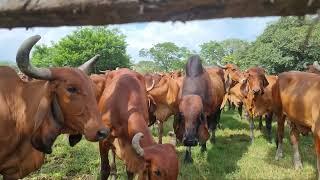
[{"x": 232, "y": 157}]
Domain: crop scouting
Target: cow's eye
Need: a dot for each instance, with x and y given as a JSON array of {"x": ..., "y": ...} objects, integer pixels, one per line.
[
  {"x": 157, "y": 172},
  {"x": 72, "y": 89}
]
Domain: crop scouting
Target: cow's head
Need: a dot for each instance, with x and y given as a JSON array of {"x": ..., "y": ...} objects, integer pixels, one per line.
[
  {"x": 69, "y": 104},
  {"x": 255, "y": 81},
  {"x": 252, "y": 87},
  {"x": 161, "y": 160},
  {"x": 192, "y": 116},
  {"x": 312, "y": 68},
  {"x": 232, "y": 75}
]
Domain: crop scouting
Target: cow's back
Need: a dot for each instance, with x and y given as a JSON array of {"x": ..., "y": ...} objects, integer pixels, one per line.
[{"x": 217, "y": 85}]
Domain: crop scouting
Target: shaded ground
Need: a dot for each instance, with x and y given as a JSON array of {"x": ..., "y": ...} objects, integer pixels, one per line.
[{"x": 232, "y": 157}]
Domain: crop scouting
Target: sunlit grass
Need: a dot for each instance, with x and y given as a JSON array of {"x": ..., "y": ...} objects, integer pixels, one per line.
[{"x": 232, "y": 157}]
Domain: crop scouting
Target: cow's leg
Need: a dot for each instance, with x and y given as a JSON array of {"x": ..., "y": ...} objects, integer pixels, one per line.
[
  {"x": 269, "y": 126},
  {"x": 317, "y": 146},
  {"x": 229, "y": 105},
  {"x": 130, "y": 175},
  {"x": 203, "y": 147},
  {"x": 260, "y": 123},
  {"x": 240, "y": 111},
  {"x": 251, "y": 129},
  {"x": 294, "y": 136},
  {"x": 188, "y": 157},
  {"x": 105, "y": 167},
  {"x": 113, "y": 167},
  {"x": 279, "y": 139},
  {"x": 213, "y": 121},
  {"x": 160, "y": 127}
]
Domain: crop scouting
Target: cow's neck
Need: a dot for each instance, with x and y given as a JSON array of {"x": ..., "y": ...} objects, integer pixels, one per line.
[{"x": 31, "y": 95}]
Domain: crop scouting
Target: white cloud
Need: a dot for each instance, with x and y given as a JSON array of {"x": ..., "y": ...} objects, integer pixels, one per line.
[
  {"x": 145, "y": 35},
  {"x": 191, "y": 34}
]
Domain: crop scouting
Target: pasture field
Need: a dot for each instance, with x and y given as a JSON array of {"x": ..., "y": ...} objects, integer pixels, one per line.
[{"x": 232, "y": 157}]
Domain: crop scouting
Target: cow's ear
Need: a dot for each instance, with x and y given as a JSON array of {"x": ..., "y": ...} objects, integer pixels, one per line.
[
  {"x": 49, "y": 122},
  {"x": 74, "y": 139},
  {"x": 264, "y": 81},
  {"x": 228, "y": 83},
  {"x": 244, "y": 89}
]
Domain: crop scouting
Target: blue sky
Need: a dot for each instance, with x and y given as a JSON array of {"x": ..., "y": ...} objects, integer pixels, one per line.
[{"x": 144, "y": 35}]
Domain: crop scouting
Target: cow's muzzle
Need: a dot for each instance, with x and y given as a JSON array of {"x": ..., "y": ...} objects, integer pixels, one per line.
[
  {"x": 189, "y": 141},
  {"x": 102, "y": 133}
]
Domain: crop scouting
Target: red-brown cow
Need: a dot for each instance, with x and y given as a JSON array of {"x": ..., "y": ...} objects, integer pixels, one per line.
[
  {"x": 296, "y": 96},
  {"x": 33, "y": 114},
  {"x": 199, "y": 107},
  {"x": 257, "y": 92},
  {"x": 124, "y": 109},
  {"x": 235, "y": 97}
]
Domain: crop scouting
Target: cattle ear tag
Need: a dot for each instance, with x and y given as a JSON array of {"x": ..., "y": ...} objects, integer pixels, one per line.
[{"x": 56, "y": 111}]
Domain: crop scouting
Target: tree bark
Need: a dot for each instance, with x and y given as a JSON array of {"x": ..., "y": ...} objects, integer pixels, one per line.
[{"x": 30, "y": 13}]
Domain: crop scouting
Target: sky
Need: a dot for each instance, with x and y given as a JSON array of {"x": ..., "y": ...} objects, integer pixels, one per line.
[{"x": 144, "y": 35}]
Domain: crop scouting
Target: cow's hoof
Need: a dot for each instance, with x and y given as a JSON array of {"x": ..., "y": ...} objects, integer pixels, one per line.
[
  {"x": 213, "y": 140},
  {"x": 203, "y": 148},
  {"x": 297, "y": 165},
  {"x": 104, "y": 175},
  {"x": 279, "y": 155},
  {"x": 188, "y": 160}
]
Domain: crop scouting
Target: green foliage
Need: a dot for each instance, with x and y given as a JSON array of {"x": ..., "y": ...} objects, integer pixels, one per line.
[
  {"x": 225, "y": 51},
  {"x": 282, "y": 46},
  {"x": 146, "y": 66},
  {"x": 167, "y": 56},
  {"x": 81, "y": 45}
]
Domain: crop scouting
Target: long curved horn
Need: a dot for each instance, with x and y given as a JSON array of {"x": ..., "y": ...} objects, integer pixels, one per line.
[
  {"x": 221, "y": 66},
  {"x": 23, "y": 60},
  {"x": 85, "y": 67},
  {"x": 136, "y": 143},
  {"x": 305, "y": 65},
  {"x": 151, "y": 87},
  {"x": 316, "y": 65}
]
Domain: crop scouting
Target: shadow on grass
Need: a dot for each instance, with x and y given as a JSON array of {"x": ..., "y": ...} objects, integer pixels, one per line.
[
  {"x": 219, "y": 160},
  {"x": 230, "y": 119}
]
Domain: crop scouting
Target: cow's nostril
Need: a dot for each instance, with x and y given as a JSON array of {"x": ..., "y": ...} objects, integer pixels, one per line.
[{"x": 103, "y": 133}]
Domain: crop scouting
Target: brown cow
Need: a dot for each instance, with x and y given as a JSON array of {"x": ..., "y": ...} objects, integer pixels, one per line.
[
  {"x": 163, "y": 93},
  {"x": 313, "y": 68},
  {"x": 124, "y": 109},
  {"x": 235, "y": 97},
  {"x": 257, "y": 92},
  {"x": 232, "y": 76},
  {"x": 199, "y": 107},
  {"x": 296, "y": 96},
  {"x": 33, "y": 114}
]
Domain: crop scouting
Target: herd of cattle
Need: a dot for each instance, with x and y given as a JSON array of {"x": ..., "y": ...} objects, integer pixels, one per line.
[{"x": 116, "y": 109}]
